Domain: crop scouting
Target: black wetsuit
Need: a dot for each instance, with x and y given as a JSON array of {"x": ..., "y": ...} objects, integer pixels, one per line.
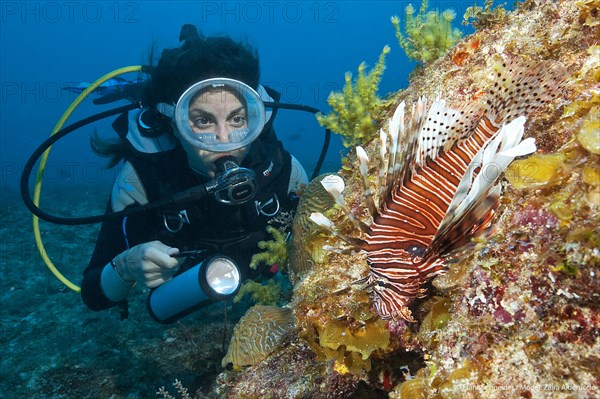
[{"x": 232, "y": 230}]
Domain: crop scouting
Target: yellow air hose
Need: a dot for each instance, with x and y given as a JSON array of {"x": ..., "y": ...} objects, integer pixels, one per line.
[{"x": 40, "y": 172}]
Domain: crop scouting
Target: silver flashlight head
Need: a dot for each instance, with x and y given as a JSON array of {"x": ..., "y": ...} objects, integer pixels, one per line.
[{"x": 222, "y": 275}]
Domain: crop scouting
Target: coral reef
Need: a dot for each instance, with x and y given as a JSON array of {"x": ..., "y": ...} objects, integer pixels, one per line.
[
  {"x": 481, "y": 17},
  {"x": 292, "y": 372},
  {"x": 428, "y": 34},
  {"x": 354, "y": 109},
  {"x": 515, "y": 316},
  {"x": 307, "y": 240},
  {"x": 257, "y": 334}
]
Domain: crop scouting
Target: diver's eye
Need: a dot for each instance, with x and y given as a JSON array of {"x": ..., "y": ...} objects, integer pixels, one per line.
[
  {"x": 238, "y": 120},
  {"x": 201, "y": 122}
]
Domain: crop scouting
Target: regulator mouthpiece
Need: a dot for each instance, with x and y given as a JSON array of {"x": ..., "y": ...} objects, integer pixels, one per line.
[{"x": 234, "y": 185}]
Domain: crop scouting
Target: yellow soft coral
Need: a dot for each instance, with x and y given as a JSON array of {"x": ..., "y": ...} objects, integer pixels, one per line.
[
  {"x": 261, "y": 294},
  {"x": 276, "y": 250},
  {"x": 428, "y": 35},
  {"x": 354, "y": 109}
]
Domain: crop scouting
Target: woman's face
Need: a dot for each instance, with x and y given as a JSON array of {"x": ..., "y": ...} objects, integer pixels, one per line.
[{"x": 214, "y": 115}]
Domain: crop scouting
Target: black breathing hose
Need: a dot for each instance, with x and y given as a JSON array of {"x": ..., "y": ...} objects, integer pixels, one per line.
[
  {"x": 326, "y": 140},
  {"x": 192, "y": 194}
]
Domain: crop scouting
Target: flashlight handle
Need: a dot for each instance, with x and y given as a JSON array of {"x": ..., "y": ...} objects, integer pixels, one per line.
[
  {"x": 177, "y": 297},
  {"x": 189, "y": 254}
]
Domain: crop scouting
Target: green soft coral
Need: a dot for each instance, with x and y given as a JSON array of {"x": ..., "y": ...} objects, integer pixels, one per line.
[
  {"x": 354, "y": 109},
  {"x": 428, "y": 34},
  {"x": 267, "y": 294},
  {"x": 276, "y": 250}
]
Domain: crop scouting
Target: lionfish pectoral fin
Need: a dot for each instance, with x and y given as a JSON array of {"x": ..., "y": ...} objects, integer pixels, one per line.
[
  {"x": 522, "y": 87},
  {"x": 462, "y": 228},
  {"x": 477, "y": 196}
]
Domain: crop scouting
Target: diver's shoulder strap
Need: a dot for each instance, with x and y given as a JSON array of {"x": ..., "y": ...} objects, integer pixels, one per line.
[
  {"x": 298, "y": 177},
  {"x": 127, "y": 188},
  {"x": 126, "y": 126}
]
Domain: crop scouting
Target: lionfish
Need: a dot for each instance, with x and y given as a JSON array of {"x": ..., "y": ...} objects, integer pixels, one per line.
[{"x": 438, "y": 190}]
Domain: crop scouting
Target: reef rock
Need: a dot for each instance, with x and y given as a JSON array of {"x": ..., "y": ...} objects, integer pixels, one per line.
[{"x": 515, "y": 316}]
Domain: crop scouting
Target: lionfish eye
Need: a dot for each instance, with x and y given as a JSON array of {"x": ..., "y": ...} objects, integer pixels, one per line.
[{"x": 415, "y": 250}]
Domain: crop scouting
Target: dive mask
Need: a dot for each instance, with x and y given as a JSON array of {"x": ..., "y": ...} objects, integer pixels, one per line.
[{"x": 240, "y": 136}]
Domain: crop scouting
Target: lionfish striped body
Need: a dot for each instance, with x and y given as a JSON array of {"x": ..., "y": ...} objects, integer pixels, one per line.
[{"x": 438, "y": 190}]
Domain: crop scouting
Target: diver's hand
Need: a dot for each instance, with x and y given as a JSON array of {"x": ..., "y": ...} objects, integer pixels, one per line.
[{"x": 149, "y": 264}]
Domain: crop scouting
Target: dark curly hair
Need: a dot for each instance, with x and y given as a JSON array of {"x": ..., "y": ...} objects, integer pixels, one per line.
[{"x": 199, "y": 58}]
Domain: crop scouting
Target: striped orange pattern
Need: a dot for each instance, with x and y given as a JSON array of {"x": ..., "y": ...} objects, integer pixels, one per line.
[
  {"x": 438, "y": 181},
  {"x": 406, "y": 245},
  {"x": 408, "y": 222}
]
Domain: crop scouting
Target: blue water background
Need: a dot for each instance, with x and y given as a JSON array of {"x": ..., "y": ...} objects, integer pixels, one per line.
[
  {"x": 52, "y": 346},
  {"x": 305, "y": 48}
]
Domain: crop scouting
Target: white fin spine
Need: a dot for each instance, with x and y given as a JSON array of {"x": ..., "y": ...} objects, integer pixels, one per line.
[
  {"x": 396, "y": 130},
  {"x": 382, "y": 161},
  {"x": 400, "y": 159},
  {"x": 363, "y": 160},
  {"x": 405, "y": 158},
  {"x": 334, "y": 185}
]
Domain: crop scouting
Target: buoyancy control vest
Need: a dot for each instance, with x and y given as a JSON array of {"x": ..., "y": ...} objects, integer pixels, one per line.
[{"x": 161, "y": 168}]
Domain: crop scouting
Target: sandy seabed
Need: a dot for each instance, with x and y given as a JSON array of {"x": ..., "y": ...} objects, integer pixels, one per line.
[{"x": 54, "y": 347}]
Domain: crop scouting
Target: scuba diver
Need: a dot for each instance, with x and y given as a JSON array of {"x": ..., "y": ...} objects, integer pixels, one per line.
[{"x": 203, "y": 125}]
